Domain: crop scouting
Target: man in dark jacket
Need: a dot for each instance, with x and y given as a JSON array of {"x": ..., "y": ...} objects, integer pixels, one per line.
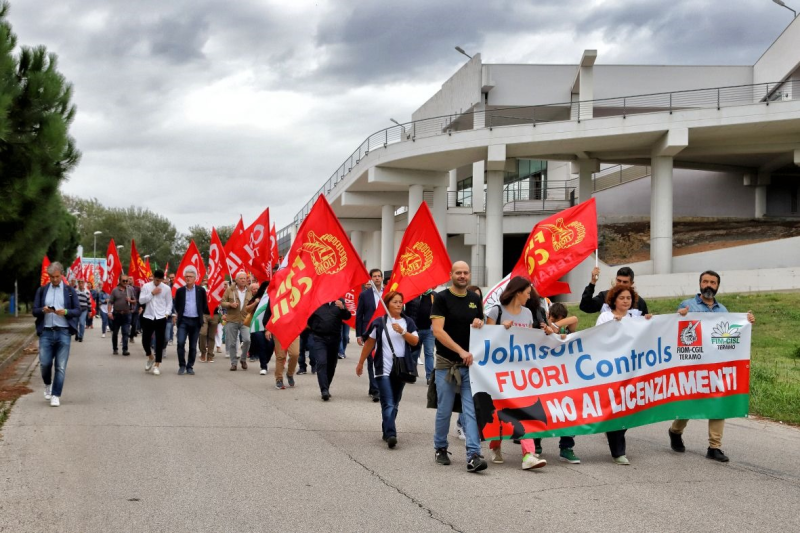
[
  {"x": 191, "y": 303},
  {"x": 594, "y": 304},
  {"x": 368, "y": 301},
  {"x": 326, "y": 329},
  {"x": 57, "y": 310},
  {"x": 419, "y": 309}
]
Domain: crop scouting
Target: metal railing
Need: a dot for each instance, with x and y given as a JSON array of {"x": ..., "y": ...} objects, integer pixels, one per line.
[
  {"x": 617, "y": 175},
  {"x": 669, "y": 102}
]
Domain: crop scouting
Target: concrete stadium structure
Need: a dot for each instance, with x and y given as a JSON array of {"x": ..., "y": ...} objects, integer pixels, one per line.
[{"x": 500, "y": 147}]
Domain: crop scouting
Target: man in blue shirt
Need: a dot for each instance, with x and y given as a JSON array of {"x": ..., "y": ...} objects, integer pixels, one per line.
[{"x": 704, "y": 302}]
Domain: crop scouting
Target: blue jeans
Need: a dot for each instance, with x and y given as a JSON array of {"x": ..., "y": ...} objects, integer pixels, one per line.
[
  {"x": 428, "y": 342},
  {"x": 104, "y": 318},
  {"x": 373, "y": 385},
  {"x": 120, "y": 322},
  {"x": 391, "y": 393},
  {"x": 345, "y": 340},
  {"x": 54, "y": 351},
  {"x": 170, "y": 333},
  {"x": 306, "y": 345},
  {"x": 82, "y": 323},
  {"x": 188, "y": 328},
  {"x": 446, "y": 395}
]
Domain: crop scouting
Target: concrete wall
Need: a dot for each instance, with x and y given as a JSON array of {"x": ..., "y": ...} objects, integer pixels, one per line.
[
  {"x": 457, "y": 250},
  {"x": 696, "y": 193},
  {"x": 779, "y": 196},
  {"x": 524, "y": 85},
  {"x": 611, "y": 81},
  {"x": 780, "y": 59},
  {"x": 458, "y": 94}
]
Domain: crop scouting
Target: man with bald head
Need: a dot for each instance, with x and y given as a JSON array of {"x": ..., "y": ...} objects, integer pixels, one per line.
[
  {"x": 454, "y": 313},
  {"x": 237, "y": 300}
]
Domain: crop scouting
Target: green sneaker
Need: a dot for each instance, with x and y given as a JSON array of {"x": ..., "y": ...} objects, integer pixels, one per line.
[{"x": 567, "y": 455}]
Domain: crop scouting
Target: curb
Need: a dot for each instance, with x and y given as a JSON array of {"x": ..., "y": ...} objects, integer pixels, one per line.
[{"x": 18, "y": 353}]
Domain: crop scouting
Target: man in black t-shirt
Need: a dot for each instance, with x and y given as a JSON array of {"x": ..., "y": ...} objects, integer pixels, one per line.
[{"x": 455, "y": 310}]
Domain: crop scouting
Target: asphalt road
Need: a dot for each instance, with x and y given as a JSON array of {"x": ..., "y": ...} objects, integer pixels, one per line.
[{"x": 226, "y": 451}]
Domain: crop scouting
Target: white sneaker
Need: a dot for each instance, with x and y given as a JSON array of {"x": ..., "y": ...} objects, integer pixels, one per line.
[
  {"x": 149, "y": 364},
  {"x": 104, "y": 335},
  {"x": 263, "y": 372},
  {"x": 531, "y": 461},
  {"x": 460, "y": 432},
  {"x": 54, "y": 401},
  {"x": 497, "y": 456},
  {"x": 48, "y": 390},
  {"x": 156, "y": 371}
]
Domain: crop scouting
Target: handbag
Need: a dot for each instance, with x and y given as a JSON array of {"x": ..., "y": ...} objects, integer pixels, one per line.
[{"x": 399, "y": 368}]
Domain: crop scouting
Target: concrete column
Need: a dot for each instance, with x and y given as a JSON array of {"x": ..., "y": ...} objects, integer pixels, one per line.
[
  {"x": 494, "y": 226},
  {"x": 374, "y": 259},
  {"x": 586, "y": 92},
  {"x": 387, "y": 237},
  {"x": 479, "y": 117},
  {"x": 478, "y": 196},
  {"x": 586, "y": 167},
  {"x": 477, "y": 265},
  {"x": 452, "y": 188},
  {"x": 357, "y": 240},
  {"x": 761, "y": 201},
  {"x": 414, "y": 200},
  {"x": 440, "y": 211},
  {"x": 661, "y": 214}
]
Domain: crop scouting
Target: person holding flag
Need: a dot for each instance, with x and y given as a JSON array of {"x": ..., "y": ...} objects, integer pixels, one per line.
[
  {"x": 326, "y": 327},
  {"x": 237, "y": 300}
]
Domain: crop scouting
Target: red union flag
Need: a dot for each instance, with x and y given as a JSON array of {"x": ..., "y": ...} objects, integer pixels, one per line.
[
  {"x": 147, "y": 270},
  {"x": 113, "y": 268},
  {"x": 235, "y": 255},
  {"x": 351, "y": 302},
  {"x": 192, "y": 258},
  {"x": 257, "y": 246},
  {"x": 75, "y": 271},
  {"x": 136, "y": 268},
  {"x": 556, "y": 245},
  {"x": 44, "y": 278},
  {"x": 322, "y": 266},
  {"x": 422, "y": 261},
  {"x": 274, "y": 255},
  {"x": 216, "y": 271}
]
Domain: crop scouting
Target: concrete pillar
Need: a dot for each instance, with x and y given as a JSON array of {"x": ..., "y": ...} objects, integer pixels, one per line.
[
  {"x": 586, "y": 167},
  {"x": 478, "y": 196},
  {"x": 586, "y": 92},
  {"x": 440, "y": 211},
  {"x": 357, "y": 240},
  {"x": 479, "y": 117},
  {"x": 452, "y": 188},
  {"x": 414, "y": 200},
  {"x": 761, "y": 201},
  {"x": 477, "y": 265},
  {"x": 387, "y": 237},
  {"x": 374, "y": 259},
  {"x": 661, "y": 214},
  {"x": 494, "y": 226}
]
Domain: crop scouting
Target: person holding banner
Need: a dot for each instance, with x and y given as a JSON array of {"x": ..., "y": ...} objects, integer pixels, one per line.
[
  {"x": 393, "y": 346},
  {"x": 620, "y": 299},
  {"x": 704, "y": 302},
  {"x": 455, "y": 311},
  {"x": 511, "y": 312},
  {"x": 596, "y": 304}
]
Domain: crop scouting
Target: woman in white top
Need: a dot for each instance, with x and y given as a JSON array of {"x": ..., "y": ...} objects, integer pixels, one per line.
[
  {"x": 393, "y": 344},
  {"x": 511, "y": 312},
  {"x": 622, "y": 303}
]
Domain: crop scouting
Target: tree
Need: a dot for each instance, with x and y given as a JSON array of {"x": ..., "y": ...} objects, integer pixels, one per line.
[{"x": 36, "y": 154}]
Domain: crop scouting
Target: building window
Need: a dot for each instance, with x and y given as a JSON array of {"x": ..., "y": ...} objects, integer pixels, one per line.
[
  {"x": 529, "y": 183},
  {"x": 464, "y": 193}
]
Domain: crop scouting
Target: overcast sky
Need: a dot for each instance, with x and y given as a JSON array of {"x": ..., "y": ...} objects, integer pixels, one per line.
[{"x": 203, "y": 110}]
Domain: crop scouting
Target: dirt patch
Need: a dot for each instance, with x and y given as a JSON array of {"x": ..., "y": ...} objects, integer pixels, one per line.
[
  {"x": 11, "y": 393},
  {"x": 630, "y": 242}
]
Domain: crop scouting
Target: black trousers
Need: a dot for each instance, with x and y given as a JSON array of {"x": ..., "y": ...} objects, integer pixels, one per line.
[
  {"x": 120, "y": 322},
  {"x": 262, "y": 348},
  {"x": 149, "y": 328},
  {"x": 616, "y": 442},
  {"x": 188, "y": 330},
  {"x": 325, "y": 353}
]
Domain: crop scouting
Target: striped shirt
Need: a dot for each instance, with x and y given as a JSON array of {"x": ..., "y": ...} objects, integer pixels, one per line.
[{"x": 85, "y": 299}]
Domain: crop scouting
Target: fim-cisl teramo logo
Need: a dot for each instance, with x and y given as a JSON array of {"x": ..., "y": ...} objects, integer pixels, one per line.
[
  {"x": 726, "y": 336},
  {"x": 690, "y": 340}
]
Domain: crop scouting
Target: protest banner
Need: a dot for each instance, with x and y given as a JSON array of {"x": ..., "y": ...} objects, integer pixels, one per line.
[{"x": 619, "y": 375}]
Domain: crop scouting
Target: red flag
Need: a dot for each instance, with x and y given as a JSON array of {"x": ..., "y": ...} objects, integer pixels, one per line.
[
  {"x": 351, "y": 302},
  {"x": 422, "y": 261},
  {"x": 274, "y": 256},
  {"x": 193, "y": 258},
  {"x": 136, "y": 268},
  {"x": 322, "y": 266},
  {"x": 216, "y": 271},
  {"x": 257, "y": 246},
  {"x": 166, "y": 269},
  {"x": 75, "y": 271},
  {"x": 556, "y": 245},
  {"x": 234, "y": 250},
  {"x": 148, "y": 271},
  {"x": 45, "y": 279},
  {"x": 113, "y": 268},
  {"x": 88, "y": 274}
]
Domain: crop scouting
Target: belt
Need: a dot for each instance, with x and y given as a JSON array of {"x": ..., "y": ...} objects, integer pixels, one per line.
[{"x": 55, "y": 328}]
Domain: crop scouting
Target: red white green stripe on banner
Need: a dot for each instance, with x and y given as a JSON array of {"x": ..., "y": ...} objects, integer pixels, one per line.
[{"x": 616, "y": 376}]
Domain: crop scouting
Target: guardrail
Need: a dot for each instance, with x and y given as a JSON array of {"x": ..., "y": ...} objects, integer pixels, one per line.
[
  {"x": 669, "y": 102},
  {"x": 617, "y": 175}
]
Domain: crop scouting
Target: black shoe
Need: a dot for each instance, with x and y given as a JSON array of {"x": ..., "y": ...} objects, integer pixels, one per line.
[
  {"x": 476, "y": 463},
  {"x": 375, "y": 397},
  {"x": 326, "y": 396},
  {"x": 313, "y": 370},
  {"x": 300, "y": 372},
  {"x": 676, "y": 442},
  {"x": 181, "y": 370},
  {"x": 441, "y": 456},
  {"x": 717, "y": 455},
  {"x": 392, "y": 442},
  {"x": 126, "y": 352},
  {"x": 116, "y": 352}
]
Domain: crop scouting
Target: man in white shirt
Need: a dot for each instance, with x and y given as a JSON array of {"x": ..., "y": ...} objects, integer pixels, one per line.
[{"x": 157, "y": 297}]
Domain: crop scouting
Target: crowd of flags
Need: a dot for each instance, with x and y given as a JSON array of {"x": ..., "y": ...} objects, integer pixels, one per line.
[{"x": 323, "y": 266}]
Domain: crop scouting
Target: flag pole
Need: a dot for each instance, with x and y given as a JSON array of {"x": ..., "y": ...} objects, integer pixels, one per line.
[
  {"x": 374, "y": 288},
  {"x": 596, "y": 258}
]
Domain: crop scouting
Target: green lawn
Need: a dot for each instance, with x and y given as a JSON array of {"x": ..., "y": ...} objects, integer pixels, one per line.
[{"x": 775, "y": 366}]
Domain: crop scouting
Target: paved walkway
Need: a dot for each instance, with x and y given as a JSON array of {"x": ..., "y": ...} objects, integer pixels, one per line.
[{"x": 226, "y": 451}]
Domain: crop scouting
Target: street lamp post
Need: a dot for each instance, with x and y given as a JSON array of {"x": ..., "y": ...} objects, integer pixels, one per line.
[
  {"x": 461, "y": 51},
  {"x": 782, "y": 4},
  {"x": 96, "y": 233}
]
